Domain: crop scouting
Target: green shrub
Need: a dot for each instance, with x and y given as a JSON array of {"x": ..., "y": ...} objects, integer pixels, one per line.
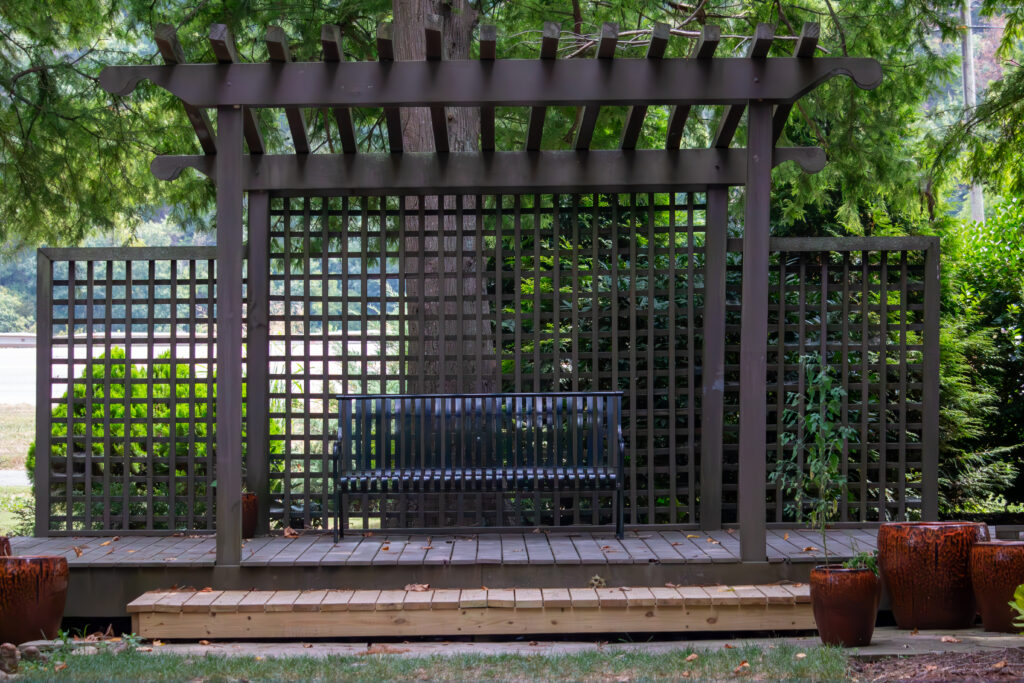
[{"x": 146, "y": 414}]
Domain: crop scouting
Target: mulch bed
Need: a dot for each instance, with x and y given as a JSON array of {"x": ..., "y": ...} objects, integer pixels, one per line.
[{"x": 1000, "y": 665}]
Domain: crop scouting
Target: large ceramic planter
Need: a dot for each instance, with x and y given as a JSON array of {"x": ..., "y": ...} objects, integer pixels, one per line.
[
  {"x": 997, "y": 568},
  {"x": 926, "y": 567},
  {"x": 249, "y": 509},
  {"x": 32, "y": 593},
  {"x": 845, "y": 604}
]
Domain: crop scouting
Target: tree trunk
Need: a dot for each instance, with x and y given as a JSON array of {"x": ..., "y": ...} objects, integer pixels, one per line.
[{"x": 443, "y": 343}]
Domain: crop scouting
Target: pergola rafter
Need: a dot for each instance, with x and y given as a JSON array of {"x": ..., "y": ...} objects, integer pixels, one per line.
[{"x": 764, "y": 87}]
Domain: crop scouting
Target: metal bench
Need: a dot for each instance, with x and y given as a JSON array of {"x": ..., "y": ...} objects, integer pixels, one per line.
[{"x": 479, "y": 442}]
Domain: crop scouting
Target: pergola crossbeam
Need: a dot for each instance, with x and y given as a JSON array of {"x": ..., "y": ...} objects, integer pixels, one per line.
[
  {"x": 170, "y": 49},
  {"x": 223, "y": 45},
  {"x": 330, "y": 40},
  {"x": 804, "y": 49},
  {"x": 386, "y": 55},
  {"x": 588, "y": 120},
  {"x": 703, "y": 50},
  {"x": 637, "y": 113},
  {"x": 548, "y": 52},
  {"x": 277, "y": 48},
  {"x": 730, "y": 121}
]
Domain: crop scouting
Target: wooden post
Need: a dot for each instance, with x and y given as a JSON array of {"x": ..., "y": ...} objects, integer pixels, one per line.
[
  {"x": 229, "y": 336},
  {"x": 754, "y": 336},
  {"x": 256, "y": 357},
  {"x": 713, "y": 390},
  {"x": 44, "y": 362},
  {"x": 930, "y": 391}
]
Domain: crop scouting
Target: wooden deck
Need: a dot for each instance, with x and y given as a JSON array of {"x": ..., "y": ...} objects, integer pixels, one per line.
[
  {"x": 385, "y": 550},
  {"x": 196, "y": 614},
  {"x": 108, "y": 572}
]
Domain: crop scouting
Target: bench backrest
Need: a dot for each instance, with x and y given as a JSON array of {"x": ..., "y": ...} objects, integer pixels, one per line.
[{"x": 495, "y": 431}]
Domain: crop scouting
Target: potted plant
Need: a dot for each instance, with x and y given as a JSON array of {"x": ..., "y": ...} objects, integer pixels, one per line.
[{"x": 844, "y": 597}]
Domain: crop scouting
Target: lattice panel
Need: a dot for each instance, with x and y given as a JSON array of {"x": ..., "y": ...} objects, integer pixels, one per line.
[
  {"x": 522, "y": 293},
  {"x": 131, "y": 344},
  {"x": 862, "y": 312}
]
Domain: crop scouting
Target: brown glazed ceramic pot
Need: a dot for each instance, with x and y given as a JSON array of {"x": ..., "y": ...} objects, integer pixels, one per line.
[
  {"x": 32, "y": 593},
  {"x": 926, "y": 567},
  {"x": 249, "y": 508},
  {"x": 5, "y": 546},
  {"x": 845, "y": 604},
  {"x": 997, "y": 568}
]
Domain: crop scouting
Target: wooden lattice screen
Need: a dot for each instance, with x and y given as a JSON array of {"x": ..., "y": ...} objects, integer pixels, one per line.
[{"x": 135, "y": 418}]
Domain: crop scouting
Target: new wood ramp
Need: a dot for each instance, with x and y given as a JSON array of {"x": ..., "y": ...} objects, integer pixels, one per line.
[{"x": 208, "y": 613}]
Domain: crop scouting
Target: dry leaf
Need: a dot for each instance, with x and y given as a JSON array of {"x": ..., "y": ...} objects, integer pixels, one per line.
[
  {"x": 417, "y": 587},
  {"x": 143, "y": 649},
  {"x": 810, "y": 549},
  {"x": 131, "y": 551},
  {"x": 105, "y": 543},
  {"x": 60, "y": 666},
  {"x": 914, "y": 632},
  {"x": 367, "y": 534},
  {"x": 259, "y": 659},
  {"x": 730, "y": 531},
  {"x": 711, "y": 540},
  {"x": 117, "y": 538},
  {"x": 950, "y": 639},
  {"x": 78, "y": 551},
  {"x": 307, "y": 645},
  {"x": 743, "y": 665},
  {"x": 692, "y": 658},
  {"x": 536, "y": 531},
  {"x": 427, "y": 547},
  {"x": 999, "y": 665},
  {"x": 693, "y": 535},
  {"x": 930, "y": 667},
  {"x": 158, "y": 643},
  {"x": 685, "y": 674},
  {"x": 671, "y": 585},
  {"x": 170, "y": 559},
  {"x": 801, "y": 655},
  {"x": 727, "y": 646},
  {"x": 385, "y": 548},
  {"x": 204, "y": 642},
  {"x": 533, "y": 643},
  {"x": 785, "y": 537},
  {"x": 676, "y": 543},
  {"x": 206, "y": 589},
  {"x": 290, "y": 532}
]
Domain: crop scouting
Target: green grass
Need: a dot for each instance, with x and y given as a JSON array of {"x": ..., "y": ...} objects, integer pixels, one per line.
[
  {"x": 778, "y": 662},
  {"x": 15, "y": 503},
  {"x": 17, "y": 426}
]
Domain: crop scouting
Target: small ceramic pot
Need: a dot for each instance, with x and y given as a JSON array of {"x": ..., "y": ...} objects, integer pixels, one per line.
[
  {"x": 33, "y": 589},
  {"x": 5, "y": 546},
  {"x": 997, "y": 568},
  {"x": 249, "y": 509},
  {"x": 845, "y": 604},
  {"x": 926, "y": 567}
]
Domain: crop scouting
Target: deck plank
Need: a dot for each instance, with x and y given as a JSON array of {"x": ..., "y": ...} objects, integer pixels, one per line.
[
  {"x": 200, "y": 602},
  {"x": 685, "y": 546},
  {"x": 364, "y": 553},
  {"x": 228, "y": 601},
  {"x": 513, "y": 549},
  {"x": 538, "y": 549},
  {"x": 556, "y": 597},
  {"x": 439, "y": 551},
  {"x": 415, "y": 551},
  {"x": 336, "y": 600},
  {"x": 588, "y": 549},
  {"x": 637, "y": 549},
  {"x": 563, "y": 549},
  {"x": 613, "y": 550},
  {"x": 584, "y": 597},
  {"x": 309, "y": 601},
  {"x": 313, "y": 555},
  {"x": 281, "y": 601},
  {"x": 664, "y": 551},
  {"x": 488, "y": 550},
  {"x": 464, "y": 551}
]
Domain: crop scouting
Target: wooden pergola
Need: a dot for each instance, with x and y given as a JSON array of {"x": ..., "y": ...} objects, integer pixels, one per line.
[{"x": 761, "y": 87}]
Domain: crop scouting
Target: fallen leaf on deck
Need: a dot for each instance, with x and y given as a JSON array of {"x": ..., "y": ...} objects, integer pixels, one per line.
[
  {"x": 158, "y": 643},
  {"x": 117, "y": 538},
  {"x": 999, "y": 665},
  {"x": 800, "y": 655},
  {"x": 675, "y": 543},
  {"x": 533, "y": 643},
  {"x": 810, "y": 549},
  {"x": 290, "y": 532},
  {"x": 693, "y": 535},
  {"x": 204, "y": 642},
  {"x": 671, "y": 585},
  {"x": 307, "y": 645},
  {"x": 385, "y": 548},
  {"x": 950, "y": 639},
  {"x": 536, "y": 531},
  {"x": 483, "y": 588},
  {"x": 785, "y": 537},
  {"x": 367, "y": 534},
  {"x": 417, "y": 587},
  {"x": 711, "y": 540},
  {"x": 692, "y": 658},
  {"x": 104, "y": 543},
  {"x": 427, "y": 547},
  {"x": 78, "y": 551},
  {"x": 131, "y": 551},
  {"x": 914, "y": 632},
  {"x": 206, "y": 589}
]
